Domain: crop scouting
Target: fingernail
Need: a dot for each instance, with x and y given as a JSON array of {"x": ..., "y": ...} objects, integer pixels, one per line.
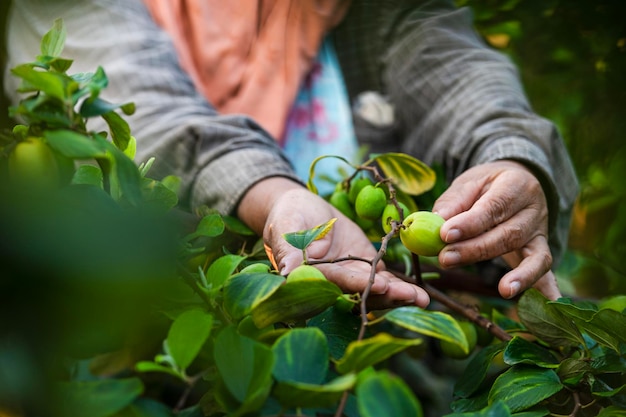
[
  {"x": 514, "y": 287},
  {"x": 453, "y": 235},
  {"x": 451, "y": 258}
]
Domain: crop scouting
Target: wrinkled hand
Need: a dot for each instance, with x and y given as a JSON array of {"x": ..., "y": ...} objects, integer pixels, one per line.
[
  {"x": 295, "y": 208},
  {"x": 499, "y": 209}
]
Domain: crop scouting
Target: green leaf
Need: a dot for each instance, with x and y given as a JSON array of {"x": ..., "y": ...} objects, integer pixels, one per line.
[
  {"x": 91, "y": 83},
  {"x": 53, "y": 41},
  {"x": 99, "y": 398},
  {"x": 148, "y": 366},
  {"x": 476, "y": 370},
  {"x": 409, "y": 174},
  {"x": 310, "y": 183},
  {"x": 612, "y": 411},
  {"x": 95, "y": 106},
  {"x": 296, "y": 300},
  {"x": 88, "y": 174},
  {"x": 52, "y": 84},
  {"x": 522, "y": 387},
  {"x": 384, "y": 394},
  {"x": 607, "y": 327},
  {"x": 497, "y": 409},
  {"x": 301, "y": 395},
  {"x": 120, "y": 130},
  {"x": 222, "y": 268},
  {"x": 303, "y": 238},
  {"x": 368, "y": 352},
  {"x": 156, "y": 195},
  {"x": 519, "y": 350},
  {"x": 74, "y": 145},
  {"x": 131, "y": 149},
  {"x": 430, "y": 323},
  {"x": 244, "y": 365},
  {"x": 187, "y": 335},
  {"x": 340, "y": 328},
  {"x": 55, "y": 63},
  {"x": 301, "y": 356},
  {"x": 244, "y": 291},
  {"x": 127, "y": 175},
  {"x": 210, "y": 225},
  {"x": 546, "y": 322},
  {"x": 146, "y": 407}
]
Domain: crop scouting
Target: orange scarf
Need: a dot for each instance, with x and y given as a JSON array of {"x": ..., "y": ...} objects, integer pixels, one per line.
[{"x": 248, "y": 56}]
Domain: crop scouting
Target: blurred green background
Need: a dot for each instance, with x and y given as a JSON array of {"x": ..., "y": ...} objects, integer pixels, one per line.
[{"x": 572, "y": 58}]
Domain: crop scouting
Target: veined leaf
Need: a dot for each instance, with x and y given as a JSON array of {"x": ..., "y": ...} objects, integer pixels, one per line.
[
  {"x": 52, "y": 84},
  {"x": 299, "y": 394},
  {"x": 301, "y": 356},
  {"x": 74, "y": 145},
  {"x": 520, "y": 350},
  {"x": 361, "y": 354},
  {"x": 340, "y": 328},
  {"x": 497, "y": 409},
  {"x": 244, "y": 365},
  {"x": 476, "y": 370},
  {"x": 120, "y": 130},
  {"x": 606, "y": 326},
  {"x": 99, "y": 398},
  {"x": 187, "y": 335},
  {"x": 383, "y": 394},
  {"x": 53, "y": 41},
  {"x": 546, "y": 321},
  {"x": 430, "y": 323},
  {"x": 407, "y": 173},
  {"x": 303, "y": 238},
  {"x": 310, "y": 183},
  {"x": 222, "y": 268},
  {"x": 296, "y": 300},
  {"x": 523, "y": 387},
  {"x": 210, "y": 225},
  {"x": 244, "y": 291}
]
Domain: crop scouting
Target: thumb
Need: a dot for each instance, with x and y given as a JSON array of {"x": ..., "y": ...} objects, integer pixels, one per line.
[{"x": 283, "y": 257}]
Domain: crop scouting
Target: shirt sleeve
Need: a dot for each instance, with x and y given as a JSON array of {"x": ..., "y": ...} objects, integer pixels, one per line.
[
  {"x": 218, "y": 157},
  {"x": 457, "y": 102}
]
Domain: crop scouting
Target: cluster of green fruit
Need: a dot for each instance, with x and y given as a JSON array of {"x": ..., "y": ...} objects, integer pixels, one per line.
[{"x": 369, "y": 205}]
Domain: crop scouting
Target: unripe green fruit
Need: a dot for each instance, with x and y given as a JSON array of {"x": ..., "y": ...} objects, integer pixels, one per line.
[
  {"x": 356, "y": 185},
  {"x": 453, "y": 350},
  {"x": 421, "y": 233},
  {"x": 32, "y": 163},
  {"x": 391, "y": 213},
  {"x": 257, "y": 267},
  {"x": 345, "y": 303},
  {"x": 339, "y": 199},
  {"x": 305, "y": 272},
  {"x": 370, "y": 202}
]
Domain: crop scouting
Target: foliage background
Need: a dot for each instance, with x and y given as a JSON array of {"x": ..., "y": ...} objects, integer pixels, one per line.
[{"x": 572, "y": 59}]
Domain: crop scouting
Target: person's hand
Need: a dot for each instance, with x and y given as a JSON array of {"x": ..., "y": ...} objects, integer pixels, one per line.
[
  {"x": 277, "y": 205},
  {"x": 499, "y": 209}
]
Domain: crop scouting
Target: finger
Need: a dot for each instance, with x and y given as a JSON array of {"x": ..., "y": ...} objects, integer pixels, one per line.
[
  {"x": 494, "y": 207},
  {"x": 399, "y": 294},
  {"x": 506, "y": 237},
  {"x": 548, "y": 286},
  {"x": 535, "y": 264},
  {"x": 458, "y": 198},
  {"x": 352, "y": 278}
]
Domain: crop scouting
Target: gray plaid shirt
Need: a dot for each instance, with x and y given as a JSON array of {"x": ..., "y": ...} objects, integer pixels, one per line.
[{"x": 458, "y": 103}]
